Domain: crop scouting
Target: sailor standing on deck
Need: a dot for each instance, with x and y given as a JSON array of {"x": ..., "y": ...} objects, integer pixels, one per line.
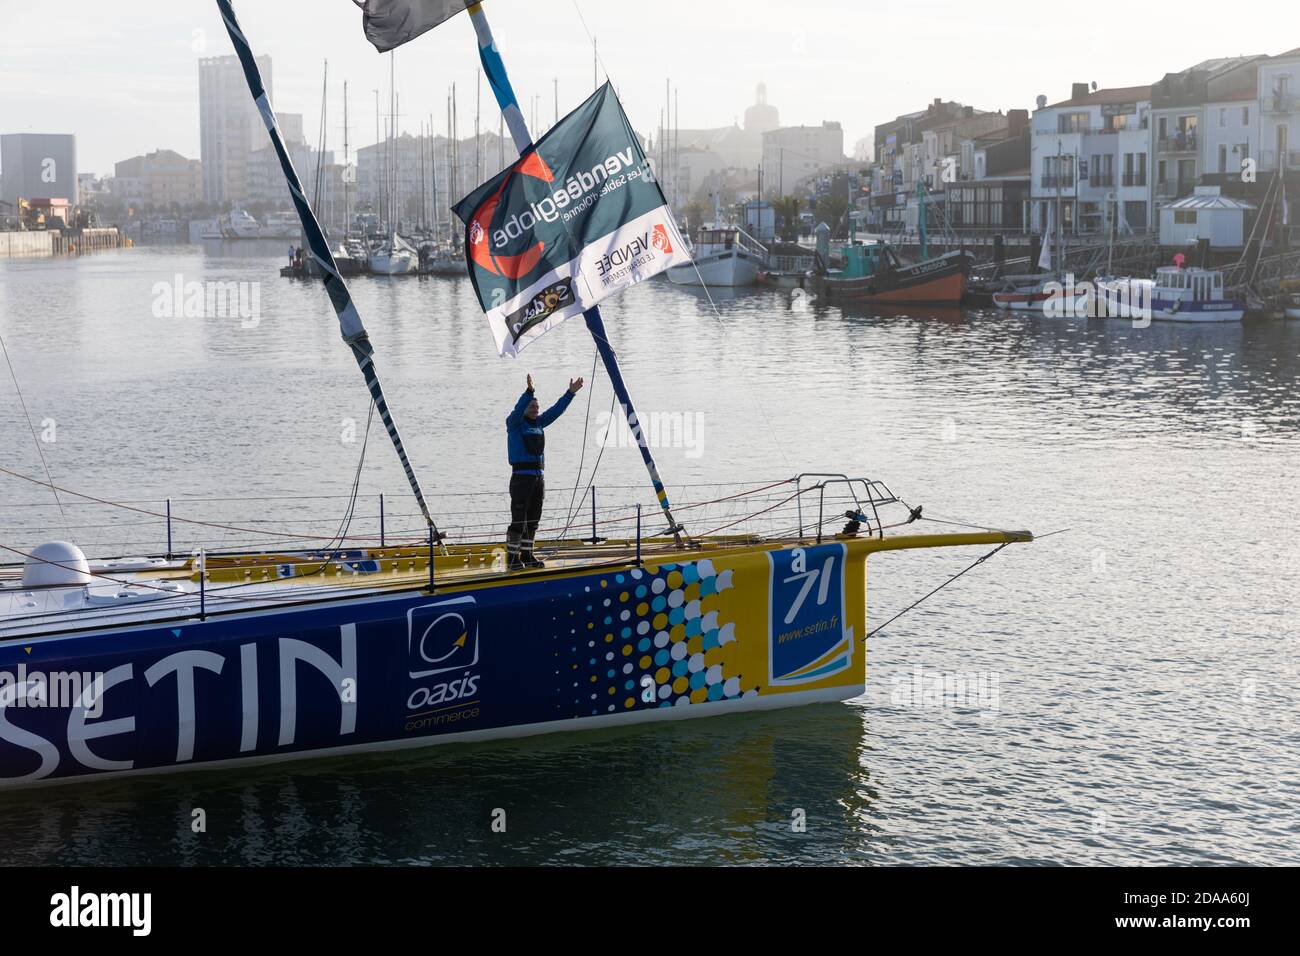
[{"x": 526, "y": 442}]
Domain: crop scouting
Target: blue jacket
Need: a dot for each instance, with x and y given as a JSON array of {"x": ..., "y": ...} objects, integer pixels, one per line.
[{"x": 526, "y": 440}]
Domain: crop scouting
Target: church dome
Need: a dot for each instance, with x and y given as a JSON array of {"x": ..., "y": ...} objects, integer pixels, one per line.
[{"x": 761, "y": 117}]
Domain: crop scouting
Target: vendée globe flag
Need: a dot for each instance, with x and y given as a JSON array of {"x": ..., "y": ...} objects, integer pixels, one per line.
[
  {"x": 390, "y": 23},
  {"x": 577, "y": 218}
]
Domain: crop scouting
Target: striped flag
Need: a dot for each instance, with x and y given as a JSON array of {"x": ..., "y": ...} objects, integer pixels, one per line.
[{"x": 390, "y": 23}]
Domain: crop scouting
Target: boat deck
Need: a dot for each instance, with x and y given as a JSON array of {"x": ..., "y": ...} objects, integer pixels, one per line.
[{"x": 254, "y": 573}]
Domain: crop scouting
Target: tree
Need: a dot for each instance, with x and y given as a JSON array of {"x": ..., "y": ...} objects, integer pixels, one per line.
[
  {"x": 787, "y": 215},
  {"x": 830, "y": 210},
  {"x": 696, "y": 213}
]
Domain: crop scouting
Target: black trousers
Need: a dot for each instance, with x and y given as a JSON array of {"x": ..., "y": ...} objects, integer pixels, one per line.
[{"x": 526, "y": 495}]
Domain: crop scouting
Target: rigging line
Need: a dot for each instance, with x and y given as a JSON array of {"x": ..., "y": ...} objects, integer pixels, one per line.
[
  {"x": 341, "y": 535},
  {"x": 599, "y": 59},
  {"x": 36, "y": 441},
  {"x": 978, "y": 562},
  {"x": 586, "y": 422},
  {"x": 158, "y": 514},
  {"x": 596, "y": 466}
]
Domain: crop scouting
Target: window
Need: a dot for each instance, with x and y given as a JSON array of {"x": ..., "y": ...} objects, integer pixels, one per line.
[
  {"x": 1160, "y": 171},
  {"x": 1072, "y": 123},
  {"x": 1162, "y": 126},
  {"x": 1245, "y": 116},
  {"x": 1184, "y": 217},
  {"x": 1223, "y": 157},
  {"x": 1135, "y": 214},
  {"x": 1223, "y": 116}
]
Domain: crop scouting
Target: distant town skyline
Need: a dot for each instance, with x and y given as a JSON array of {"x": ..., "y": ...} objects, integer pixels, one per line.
[{"x": 126, "y": 86}]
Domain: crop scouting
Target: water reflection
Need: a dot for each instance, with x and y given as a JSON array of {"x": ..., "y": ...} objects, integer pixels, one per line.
[{"x": 716, "y": 791}]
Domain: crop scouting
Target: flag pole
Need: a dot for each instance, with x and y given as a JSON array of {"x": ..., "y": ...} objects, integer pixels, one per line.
[
  {"x": 354, "y": 333},
  {"x": 514, "y": 117}
]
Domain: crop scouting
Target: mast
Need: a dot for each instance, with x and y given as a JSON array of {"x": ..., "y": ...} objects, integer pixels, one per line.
[
  {"x": 433, "y": 181},
  {"x": 392, "y": 140},
  {"x": 490, "y": 56},
  {"x": 350, "y": 326},
  {"x": 1060, "y": 252},
  {"x": 347, "y": 207}
]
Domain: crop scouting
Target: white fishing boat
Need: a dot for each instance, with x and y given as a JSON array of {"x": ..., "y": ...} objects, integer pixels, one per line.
[
  {"x": 1122, "y": 297},
  {"x": 394, "y": 257},
  {"x": 1192, "y": 295},
  {"x": 728, "y": 257}
]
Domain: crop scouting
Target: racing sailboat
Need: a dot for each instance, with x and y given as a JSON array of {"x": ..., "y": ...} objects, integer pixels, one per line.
[{"x": 257, "y": 655}]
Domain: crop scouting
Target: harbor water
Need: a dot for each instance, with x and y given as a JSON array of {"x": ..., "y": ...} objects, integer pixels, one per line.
[{"x": 1124, "y": 691}]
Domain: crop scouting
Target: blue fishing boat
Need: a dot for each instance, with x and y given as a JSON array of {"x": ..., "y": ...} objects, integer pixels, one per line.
[{"x": 149, "y": 664}]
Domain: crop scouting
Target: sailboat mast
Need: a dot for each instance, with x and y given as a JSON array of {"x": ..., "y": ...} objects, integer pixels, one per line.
[
  {"x": 1060, "y": 253},
  {"x": 347, "y": 204},
  {"x": 350, "y": 326},
  {"x": 493, "y": 65}
]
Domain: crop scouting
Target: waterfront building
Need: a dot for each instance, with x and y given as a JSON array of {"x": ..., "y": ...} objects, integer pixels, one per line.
[
  {"x": 1230, "y": 130},
  {"x": 900, "y": 162},
  {"x": 691, "y": 158},
  {"x": 1199, "y": 125},
  {"x": 230, "y": 128},
  {"x": 1094, "y": 148},
  {"x": 1279, "y": 112},
  {"x": 39, "y": 166},
  {"x": 991, "y": 196},
  {"x": 159, "y": 179},
  {"x": 792, "y": 154}
]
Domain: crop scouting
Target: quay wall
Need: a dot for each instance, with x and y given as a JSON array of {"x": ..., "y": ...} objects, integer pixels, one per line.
[{"x": 42, "y": 243}]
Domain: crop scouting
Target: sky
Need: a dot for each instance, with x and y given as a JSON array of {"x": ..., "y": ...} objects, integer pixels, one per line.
[{"x": 124, "y": 78}]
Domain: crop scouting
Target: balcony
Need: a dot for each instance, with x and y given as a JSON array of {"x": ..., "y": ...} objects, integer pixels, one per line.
[
  {"x": 1178, "y": 143},
  {"x": 1051, "y": 181},
  {"x": 1134, "y": 179},
  {"x": 1172, "y": 189},
  {"x": 1102, "y": 179},
  {"x": 1278, "y": 102}
]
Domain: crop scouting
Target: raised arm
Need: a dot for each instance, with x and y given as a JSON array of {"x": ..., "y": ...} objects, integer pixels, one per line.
[
  {"x": 556, "y": 410},
  {"x": 516, "y": 417}
]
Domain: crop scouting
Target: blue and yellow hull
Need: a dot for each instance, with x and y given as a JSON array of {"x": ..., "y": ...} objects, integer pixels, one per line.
[{"x": 739, "y": 628}]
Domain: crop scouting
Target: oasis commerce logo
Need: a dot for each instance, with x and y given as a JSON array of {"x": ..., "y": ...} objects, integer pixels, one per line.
[{"x": 439, "y": 637}]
